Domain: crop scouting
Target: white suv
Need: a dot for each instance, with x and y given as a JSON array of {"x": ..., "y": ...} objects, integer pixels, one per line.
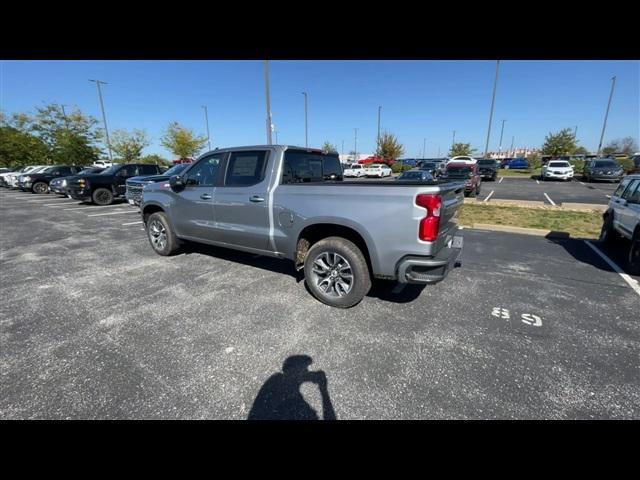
[
  {"x": 558, "y": 169},
  {"x": 355, "y": 170},
  {"x": 623, "y": 219}
]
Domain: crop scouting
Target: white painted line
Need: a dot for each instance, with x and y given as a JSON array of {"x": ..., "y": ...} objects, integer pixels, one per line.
[
  {"x": 132, "y": 223},
  {"x": 581, "y": 183},
  {"x": 608, "y": 196},
  {"x": 95, "y": 207},
  {"x": 56, "y": 204},
  {"x": 112, "y": 213},
  {"x": 501, "y": 178},
  {"x": 538, "y": 182},
  {"x": 632, "y": 282},
  {"x": 550, "y": 201},
  {"x": 488, "y": 196}
]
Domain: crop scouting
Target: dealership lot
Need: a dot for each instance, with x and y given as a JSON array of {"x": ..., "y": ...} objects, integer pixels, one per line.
[
  {"x": 94, "y": 324},
  {"x": 549, "y": 192}
]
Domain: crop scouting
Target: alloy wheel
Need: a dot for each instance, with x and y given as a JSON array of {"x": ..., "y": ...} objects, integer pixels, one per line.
[
  {"x": 332, "y": 274},
  {"x": 158, "y": 235}
]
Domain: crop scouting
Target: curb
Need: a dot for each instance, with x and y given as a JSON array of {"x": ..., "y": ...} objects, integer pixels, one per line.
[{"x": 525, "y": 231}]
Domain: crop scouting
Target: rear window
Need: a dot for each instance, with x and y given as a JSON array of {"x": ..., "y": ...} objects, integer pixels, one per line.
[
  {"x": 305, "y": 167},
  {"x": 148, "y": 169}
]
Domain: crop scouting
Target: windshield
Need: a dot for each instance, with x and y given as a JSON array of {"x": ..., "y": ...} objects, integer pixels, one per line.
[
  {"x": 559, "y": 164},
  {"x": 176, "y": 169},
  {"x": 459, "y": 172},
  {"x": 47, "y": 170},
  {"x": 606, "y": 164}
]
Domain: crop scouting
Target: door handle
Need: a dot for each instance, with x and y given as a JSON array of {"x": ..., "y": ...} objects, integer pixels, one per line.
[
  {"x": 256, "y": 199},
  {"x": 205, "y": 196}
]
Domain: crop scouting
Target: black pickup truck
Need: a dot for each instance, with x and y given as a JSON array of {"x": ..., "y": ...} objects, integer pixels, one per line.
[
  {"x": 104, "y": 187},
  {"x": 135, "y": 185},
  {"x": 39, "y": 182},
  {"x": 488, "y": 168}
]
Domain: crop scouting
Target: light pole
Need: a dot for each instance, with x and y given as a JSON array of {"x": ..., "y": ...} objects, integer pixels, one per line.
[
  {"x": 378, "y": 139},
  {"x": 454, "y": 139},
  {"x": 493, "y": 100},
  {"x": 511, "y": 149},
  {"x": 424, "y": 148},
  {"x": 104, "y": 117},
  {"x": 306, "y": 130},
  {"x": 501, "y": 132},
  {"x": 604, "y": 125},
  {"x": 575, "y": 133},
  {"x": 355, "y": 145},
  {"x": 206, "y": 119},
  {"x": 266, "y": 86}
]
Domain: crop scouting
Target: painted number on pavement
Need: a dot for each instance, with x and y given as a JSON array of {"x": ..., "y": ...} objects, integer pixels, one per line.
[{"x": 527, "y": 318}]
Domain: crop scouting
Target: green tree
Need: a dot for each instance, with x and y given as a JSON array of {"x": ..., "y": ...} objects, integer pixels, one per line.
[
  {"x": 18, "y": 148},
  {"x": 329, "y": 147},
  {"x": 155, "y": 160},
  {"x": 181, "y": 141},
  {"x": 580, "y": 151},
  {"x": 458, "y": 149},
  {"x": 389, "y": 147},
  {"x": 128, "y": 145},
  {"x": 561, "y": 143}
]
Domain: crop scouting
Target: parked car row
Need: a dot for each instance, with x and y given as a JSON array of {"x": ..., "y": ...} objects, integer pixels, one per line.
[
  {"x": 357, "y": 170},
  {"x": 94, "y": 184}
]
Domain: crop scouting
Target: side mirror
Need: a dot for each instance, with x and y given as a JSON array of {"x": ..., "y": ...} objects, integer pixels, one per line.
[{"x": 176, "y": 182}]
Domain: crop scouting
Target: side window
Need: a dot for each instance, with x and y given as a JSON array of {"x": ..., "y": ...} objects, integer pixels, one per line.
[
  {"x": 629, "y": 193},
  {"x": 245, "y": 168},
  {"x": 620, "y": 189},
  {"x": 301, "y": 169},
  {"x": 635, "y": 197},
  {"x": 204, "y": 173},
  {"x": 148, "y": 169},
  {"x": 128, "y": 171}
]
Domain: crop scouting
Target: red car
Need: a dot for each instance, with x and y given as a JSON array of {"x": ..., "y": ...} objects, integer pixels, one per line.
[
  {"x": 374, "y": 159},
  {"x": 465, "y": 172}
]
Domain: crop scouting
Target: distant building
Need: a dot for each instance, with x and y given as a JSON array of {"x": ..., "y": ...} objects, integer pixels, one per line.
[
  {"x": 515, "y": 153},
  {"x": 352, "y": 159}
]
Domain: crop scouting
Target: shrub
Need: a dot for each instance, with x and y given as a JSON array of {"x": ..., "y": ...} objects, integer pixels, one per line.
[
  {"x": 397, "y": 167},
  {"x": 626, "y": 163}
]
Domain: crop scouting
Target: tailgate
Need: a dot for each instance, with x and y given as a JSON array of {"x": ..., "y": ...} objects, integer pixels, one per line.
[{"x": 452, "y": 200}]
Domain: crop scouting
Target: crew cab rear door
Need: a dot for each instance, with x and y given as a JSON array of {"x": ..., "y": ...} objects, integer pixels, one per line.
[{"x": 241, "y": 203}]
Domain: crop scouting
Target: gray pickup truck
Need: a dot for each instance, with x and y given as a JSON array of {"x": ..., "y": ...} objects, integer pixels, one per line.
[{"x": 292, "y": 203}]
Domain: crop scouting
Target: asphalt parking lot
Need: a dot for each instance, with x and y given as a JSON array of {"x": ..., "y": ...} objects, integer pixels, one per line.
[
  {"x": 552, "y": 192},
  {"x": 94, "y": 324}
]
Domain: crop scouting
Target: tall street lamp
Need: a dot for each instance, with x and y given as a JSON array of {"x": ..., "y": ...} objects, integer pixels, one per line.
[
  {"x": 206, "y": 119},
  {"x": 501, "y": 132},
  {"x": 493, "y": 100},
  {"x": 306, "y": 127},
  {"x": 104, "y": 117},
  {"x": 266, "y": 86},
  {"x": 606, "y": 115}
]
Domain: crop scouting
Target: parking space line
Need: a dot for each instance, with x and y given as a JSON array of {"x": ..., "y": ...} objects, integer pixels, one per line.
[
  {"x": 488, "y": 196},
  {"x": 95, "y": 207},
  {"x": 133, "y": 223},
  {"x": 113, "y": 213},
  {"x": 581, "y": 183},
  {"x": 56, "y": 204},
  {"x": 548, "y": 198},
  {"x": 538, "y": 182},
  {"x": 632, "y": 282},
  {"x": 501, "y": 178}
]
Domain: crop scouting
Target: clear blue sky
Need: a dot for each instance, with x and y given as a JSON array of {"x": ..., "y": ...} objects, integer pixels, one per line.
[{"x": 420, "y": 99}]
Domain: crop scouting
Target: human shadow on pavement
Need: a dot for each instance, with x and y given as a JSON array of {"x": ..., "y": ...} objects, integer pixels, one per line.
[{"x": 280, "y": 397}]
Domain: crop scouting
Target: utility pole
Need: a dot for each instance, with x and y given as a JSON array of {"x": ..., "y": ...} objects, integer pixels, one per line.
[
  {"x": 378, "y": 140},
  {"x": 266, "y": 86},
  {"x": 604, "y": 125},
  {"x": 206, "y": 119},
  {"x": 575, "y": 132},
  {"x": 104, "y": 117},
  {"x": 501, "y": 132},
  {"x": 511, "y": 149},
  {"x": 306, "y": 130},
  {"x": 493, "y": 100},
  {"x": 355, "y": 145},
  {"x": 424, "y": 148}
]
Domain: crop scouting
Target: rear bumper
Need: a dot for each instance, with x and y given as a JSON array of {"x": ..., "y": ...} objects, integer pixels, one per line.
[{"x": 427, "y": 270}]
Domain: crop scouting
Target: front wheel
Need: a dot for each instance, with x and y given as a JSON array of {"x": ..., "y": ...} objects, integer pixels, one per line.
[
  {"x": 634, "y": 254},
  {"x": 162, "y": 239},
  {"x": 336, "y": 272},
  {"x": 102, "y": 197},
  {"x": 607, "y": 233},
  {"x": 40, "y": 187}
]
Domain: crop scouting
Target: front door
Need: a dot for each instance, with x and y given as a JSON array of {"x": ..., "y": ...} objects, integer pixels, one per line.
[
  {"x": 193, "y": 213},
  {"x": 241, "y": 203}
]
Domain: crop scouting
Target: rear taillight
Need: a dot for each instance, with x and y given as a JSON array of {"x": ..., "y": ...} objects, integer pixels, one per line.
[{"x": 430, "y": 224}]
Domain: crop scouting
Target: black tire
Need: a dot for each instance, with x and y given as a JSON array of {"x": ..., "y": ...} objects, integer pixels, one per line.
[
  {"x": 473, "y": 193},
  {"x": 102, "y": 197},
  {"x": 608, "y": 235},
  {"x": 161, "y": 237},
  {"x": 634, "y": 254},
  {"x": 39, "y": 188},
  {"x": 315, "y": 274}
]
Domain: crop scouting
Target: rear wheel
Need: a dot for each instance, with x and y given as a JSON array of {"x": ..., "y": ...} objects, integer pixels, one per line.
[
  {"x": 162, "y": 239},
  {"x": 336, "y": 272},
  {"x": 102, "y": 196},
  {"x": 40, "y": 187},
  {"x": 607, "y": 234},
  {"x": 634, "y": 254}
]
